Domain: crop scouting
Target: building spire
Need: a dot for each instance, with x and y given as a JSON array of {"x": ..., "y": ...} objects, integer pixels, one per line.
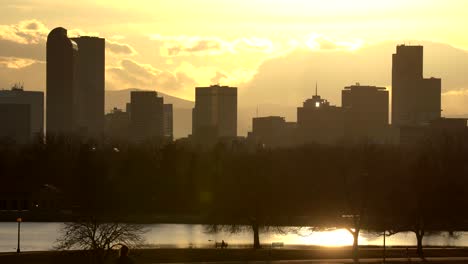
[{"x": 316, "y": 89}]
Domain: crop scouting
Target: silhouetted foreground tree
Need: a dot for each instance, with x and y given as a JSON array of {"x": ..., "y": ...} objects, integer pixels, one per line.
[
  {"x": 99, "y": 238},
  {"x": 389, "y": 188}
]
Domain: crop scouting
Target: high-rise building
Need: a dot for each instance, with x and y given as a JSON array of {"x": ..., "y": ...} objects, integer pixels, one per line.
[
  {"x": 168, "y": 121},
  {"x": 415, "y": 100},
  {"x": 146, "y": 115},
  {"x": 62, "y": 56},
  {"x": 89, "y": 88},
  {"x": 365, "y": 111},
  {"x": 272, "y": 131},
  {"x": 319, "y": 122},
  {"x": 15, "y": 122},
  {"x": 437, "y": 130},
  {"x": 214, "y": 116},
  {"x": 21, "y": 114},
  {"x": 117, "y": 124}
]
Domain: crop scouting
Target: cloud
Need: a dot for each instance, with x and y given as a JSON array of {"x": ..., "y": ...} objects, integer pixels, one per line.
[
  {"x": 19, "y": 50},
  {"x": 120, "y": 48},
  {"x": 290, "y": 79},
  {"x": 131, "y": 74},
  {"x": 190, "y": 45},
  {"x": 202, "y": 46},
  {"x": 218, "y": 77},
  {"x": 24, "y": 32},
  {"x": 76, "y": 32},
  {"x": 16, "y": 63},
  {"x": 30, "y": 73},
  {"x": 460, "y": 92},
  {"x": 117, "y": 37},
  {"x": 254, "y": 44},
  {"x": 322, "y": 42}
]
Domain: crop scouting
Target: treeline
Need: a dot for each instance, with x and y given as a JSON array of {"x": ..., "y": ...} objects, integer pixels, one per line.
[{"x": 421, "y": 189}]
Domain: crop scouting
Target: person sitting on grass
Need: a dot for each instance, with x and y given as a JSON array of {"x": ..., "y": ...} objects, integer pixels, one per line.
[
  {"x": 223, "y": 244},
  {"x": 124, "y": 258}
]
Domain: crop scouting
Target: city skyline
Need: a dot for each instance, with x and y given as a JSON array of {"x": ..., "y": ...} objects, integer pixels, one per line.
[
  {"x": 363, "y": 115},
  {"x": 273, "y": 131},
  {"x": 166, "y": 55}
]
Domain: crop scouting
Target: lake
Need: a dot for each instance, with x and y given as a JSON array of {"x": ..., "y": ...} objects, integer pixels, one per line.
[{"x": 41, "y": 236}]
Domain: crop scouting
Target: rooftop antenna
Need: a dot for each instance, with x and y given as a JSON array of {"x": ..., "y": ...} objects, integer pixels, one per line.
[
  {"x": 316, "y": 89},
  {"x": 257, "y": 111}
]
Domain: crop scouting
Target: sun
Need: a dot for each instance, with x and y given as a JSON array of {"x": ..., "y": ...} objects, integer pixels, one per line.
[{"x": 332, "y": 238}]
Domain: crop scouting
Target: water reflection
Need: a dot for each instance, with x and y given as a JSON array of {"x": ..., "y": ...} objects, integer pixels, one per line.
[{"x": 41, "y": 236}]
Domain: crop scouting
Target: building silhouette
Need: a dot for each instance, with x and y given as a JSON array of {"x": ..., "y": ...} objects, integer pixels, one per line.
[
  {"x": 146, "y": 115},
  {"x": 75, "y": 84},
  {"x": 272, "y": 132},
  {"x": 214, "y": 116},
  {"x": 437, "y": 129},
  {"x": 62, "y": 56},
  {"x": 168, "y": 121},
  {"x": 319, "y": 122},
  {"x": 117, "y": 124},
  {"x": 366, "y": 112},
  {"x": 415, "y": 100},
  {"x": 90, "y": 78},
  {"x": 21, "y": 114}
]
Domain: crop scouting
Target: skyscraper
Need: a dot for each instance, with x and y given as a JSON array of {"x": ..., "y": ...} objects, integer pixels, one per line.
[
  {"x": 319, "y": 122},
  {"x": 146, "y": 115},
  {"x": 62, "y": 56},
  {"x": 415, "y": 100},
  {"x": 272, "y": 131},
  {"x": 365, "y": 111},
  {"x": 168, "y": 121},
  {"x": 21, "y": 114},
  {"x": 117, "y": 124},
  {"x": 215, "y": 113},
  {"x": 15, "y": 120},
  {"x": 90, "y": 85}
]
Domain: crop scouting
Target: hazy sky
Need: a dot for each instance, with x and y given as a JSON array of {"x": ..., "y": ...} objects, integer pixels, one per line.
[{"x": 175, "y": 45}]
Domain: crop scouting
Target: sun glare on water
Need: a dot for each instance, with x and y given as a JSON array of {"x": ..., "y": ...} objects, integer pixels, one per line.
[{"x": 333, "y": 238}]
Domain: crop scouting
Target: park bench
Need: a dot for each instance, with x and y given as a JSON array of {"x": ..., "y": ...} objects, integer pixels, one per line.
[
  {"x": 277, "y": 245},
  {"x": 220, "y": 245}
]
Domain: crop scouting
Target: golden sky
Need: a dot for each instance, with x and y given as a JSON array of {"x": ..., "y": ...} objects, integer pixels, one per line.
[{"x": 174, "y": 45}]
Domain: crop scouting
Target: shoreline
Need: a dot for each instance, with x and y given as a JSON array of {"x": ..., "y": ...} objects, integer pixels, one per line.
[{"x": 234, "y": 254}]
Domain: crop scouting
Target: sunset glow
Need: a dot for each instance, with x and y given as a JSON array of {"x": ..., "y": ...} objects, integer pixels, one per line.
[
  {"x": 173, "y": 47},
  {"x": 332, "y": 238}
]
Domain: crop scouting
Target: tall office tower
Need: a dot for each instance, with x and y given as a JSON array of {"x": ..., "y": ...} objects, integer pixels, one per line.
[
  {"x": 365, "y": 111},
  {"x": 15, "y": 120},
  {"x": 117, "y": 124},
  {"x": 319, "y": 122},
  {"x": 62, "y": 56},
  {"x": 21, "y": 114},
  {"x": 90, "y": 85},
  {"x": 415, "y": 100},
  {"x": 272, "y": 131},
  {"x": 168, "y": 121},
  {"x": 146, "y": 115},
  {"x": 214, "y": 116}
]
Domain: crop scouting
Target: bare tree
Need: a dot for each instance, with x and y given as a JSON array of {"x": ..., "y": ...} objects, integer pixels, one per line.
[
  {"x": 253, "y": 227},
  {"x": 99, "y": 238}
]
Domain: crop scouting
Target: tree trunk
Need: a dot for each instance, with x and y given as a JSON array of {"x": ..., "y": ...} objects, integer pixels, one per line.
[
  {"x": 419, "y": 238},
  {"x": 356, "y": 246},
  {"x": 355, "y": 252},
  {"x": 256, "y": 234}
]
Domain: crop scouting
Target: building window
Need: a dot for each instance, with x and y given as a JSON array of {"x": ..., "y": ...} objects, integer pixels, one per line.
[
  {"x": 24, "y": 205},
  {"x": 14, "y": 205}
]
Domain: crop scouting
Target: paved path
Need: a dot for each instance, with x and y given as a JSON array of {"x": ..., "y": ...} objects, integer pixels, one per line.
[{"x": 340, "y": 261}]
